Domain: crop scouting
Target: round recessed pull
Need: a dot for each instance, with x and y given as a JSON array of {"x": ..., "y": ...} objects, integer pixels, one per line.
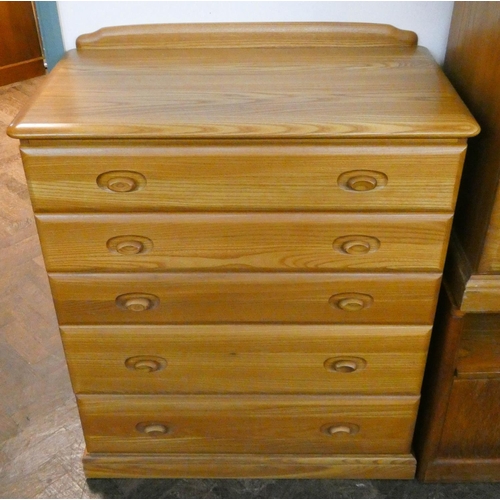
[
  {"x": 340, "y": 429},
  {"x": 129, "y": 245},
  {"x": 362, "y": 183},
  {"x": 146, "y": 364},
  {"x": 347, "y": 364},
  {"x": 121, "y": 184},
  {"x": 356, "y": 247},
  {"x": 362, "y": 180},
  {"x": 137, "y": 302},
  {"x": 153, "y": 428},
  {"x": 356, "y": 244},
  {"x": 121, "y": 181},
  {"x": 351, "y": 302}
]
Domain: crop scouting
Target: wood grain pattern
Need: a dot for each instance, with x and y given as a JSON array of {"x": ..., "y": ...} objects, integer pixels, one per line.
[
  {"x": 481, "y": 294},
  {"x": 249, "y": 359},
  {"x": 174, "y": 36},
  {"x": 472, "y": 64},
  {"x": 472, "y": 414},
  {"x": 437, "y": 383},
  {"x": 454, "y": 470},
  {"x": 248, "y": 424},
  {"x": 245, "y": 297},
  {"x": 193, "y": 93},
  {"x": 234, "y": 465},
  {"x": 219, "y": 242},
  {"x": 479, "y": 355},
  {"x": 20, "y": 50},
  {"x": 243, "y": 176}
]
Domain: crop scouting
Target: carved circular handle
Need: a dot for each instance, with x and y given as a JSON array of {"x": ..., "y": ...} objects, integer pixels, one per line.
[
  {"x": 362, "y": 183},
  {"x": 356, "y": 244},
  {"x": 339, "y": 429},
  {"x": 351, "y": 302},
  {"x": 362, "y": 180},
  {"x": 129, "y": 245},
  {"x": 345, "y": 364},
  {"x": 137, "y": 302},
  {"x": 153, "y": 428},
  {"x": 146, "y": 363},
  {"x": 122, "y": 184},
  {"x": 121, "y": 181}
]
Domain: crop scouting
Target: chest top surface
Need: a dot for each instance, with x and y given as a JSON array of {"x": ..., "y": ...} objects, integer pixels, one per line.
[{"x": 280, "y": 89}]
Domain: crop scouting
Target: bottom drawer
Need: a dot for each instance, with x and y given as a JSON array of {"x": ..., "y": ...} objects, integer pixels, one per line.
[{"x": 247, "y": 424}]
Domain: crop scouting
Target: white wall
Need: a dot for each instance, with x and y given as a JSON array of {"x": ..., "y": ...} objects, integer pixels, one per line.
[{"x": 430, "y": 20}]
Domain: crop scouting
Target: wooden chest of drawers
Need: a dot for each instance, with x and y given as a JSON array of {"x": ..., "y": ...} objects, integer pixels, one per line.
[{"x": 244, "y": 228}]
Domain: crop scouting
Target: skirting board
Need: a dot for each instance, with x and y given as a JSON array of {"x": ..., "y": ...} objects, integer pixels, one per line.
[{"x": 249, "y": 466}]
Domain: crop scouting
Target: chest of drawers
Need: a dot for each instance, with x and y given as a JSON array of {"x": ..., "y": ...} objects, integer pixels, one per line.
[{"x": 244, "y": 228}]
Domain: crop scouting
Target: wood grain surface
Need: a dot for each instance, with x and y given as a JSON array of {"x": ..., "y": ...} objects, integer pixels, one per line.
[
  {"x": 246, "y": 297},
  {"x": 472, "y": 64},
  {"x": 242, "y": 358},
  {"x": 232, "y": 465},
  {"x": 479, "y": 354},
  {"x": 161, "y": 36},
  {"x": 472, "y": 414},
  {"x": 220, "y": 242},
  {"x": 248, "y": 424},
  {"x": 313, "y": 92},
  {"x": 241, "y": 175}
]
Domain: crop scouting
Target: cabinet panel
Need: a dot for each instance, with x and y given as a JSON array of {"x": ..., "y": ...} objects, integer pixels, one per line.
[{"x": 471, "y": 427}]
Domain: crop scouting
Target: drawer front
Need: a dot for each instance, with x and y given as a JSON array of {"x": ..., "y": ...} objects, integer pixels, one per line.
[
  {"x": 247, "y": 424},
  {"x": 289, "y": 177},
  {"x": 287, "y": 242},
  {"x": 246, "y": 358},
  {"x": 244, "y": 297}
]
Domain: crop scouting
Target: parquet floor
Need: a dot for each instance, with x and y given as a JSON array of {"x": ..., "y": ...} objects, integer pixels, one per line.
[{"x": 40, "y": 436}]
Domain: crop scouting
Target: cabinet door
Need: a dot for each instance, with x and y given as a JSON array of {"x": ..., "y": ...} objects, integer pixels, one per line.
[{"x": 20, "y": 51}]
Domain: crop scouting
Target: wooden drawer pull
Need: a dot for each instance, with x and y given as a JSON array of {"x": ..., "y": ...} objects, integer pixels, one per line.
[
  {"x": 121, "y": 181},
  {"x": 146, "y": 363},
  {"x": 356, "y": 244},
  {"x": 129, "y": 245},
  {"x": 345, "y": 364},
  {"x": 153, "y": 428},
  {"x": 137, "y": 302},
  {"x": 351, "y": 302},
  {"x": 362, "y": 180},
  {"x": 335, "y": 429}
]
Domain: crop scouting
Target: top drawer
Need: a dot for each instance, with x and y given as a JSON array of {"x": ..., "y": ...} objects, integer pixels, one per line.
[{"x": 244, "y": 178}]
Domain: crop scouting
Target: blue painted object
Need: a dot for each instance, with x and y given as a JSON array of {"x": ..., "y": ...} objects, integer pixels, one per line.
[{"x": 50, "y": 32}]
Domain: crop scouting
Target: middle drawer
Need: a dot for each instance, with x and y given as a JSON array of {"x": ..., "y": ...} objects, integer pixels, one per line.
[
  {"x": 149, "y": 298},
  {"x": 282, "y": 242},
  {"x": 307, "y": 359}
]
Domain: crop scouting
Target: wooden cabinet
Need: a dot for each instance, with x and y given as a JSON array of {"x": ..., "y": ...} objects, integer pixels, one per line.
[
  {"x": 20, "y": 48},
  {"x": 458, "y": 436},
  {"x": 245, "y": 228}
]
